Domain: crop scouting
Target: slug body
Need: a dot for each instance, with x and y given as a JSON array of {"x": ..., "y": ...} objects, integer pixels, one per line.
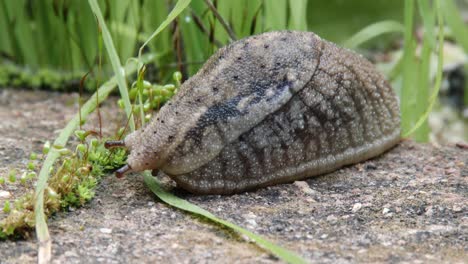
[{"x": 268, "y": 109}]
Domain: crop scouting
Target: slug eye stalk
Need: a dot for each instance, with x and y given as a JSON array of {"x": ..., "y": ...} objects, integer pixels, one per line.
[
  {"x": 114, "y": 143},
  {"x": 122, "y": 171}
]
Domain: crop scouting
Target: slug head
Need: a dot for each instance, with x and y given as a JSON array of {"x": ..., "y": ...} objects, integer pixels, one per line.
[{"x": 136, "y": 161}]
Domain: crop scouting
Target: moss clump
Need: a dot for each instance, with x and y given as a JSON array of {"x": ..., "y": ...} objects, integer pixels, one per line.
[
  {"x": 73, "y": 181},
  {"x": 12, "y": 75},
  {"x": 72, "y": 184}
]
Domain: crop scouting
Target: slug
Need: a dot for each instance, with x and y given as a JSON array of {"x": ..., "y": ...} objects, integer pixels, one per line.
[{"x": 268, "y": 109}]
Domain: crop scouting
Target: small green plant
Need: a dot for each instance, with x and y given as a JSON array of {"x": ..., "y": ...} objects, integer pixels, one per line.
[
  {"x": 71, "y": 185},
  {"x": 150, "y": 97},
  {"x": 74, "y": 178},
  {"x": 6, "y": 207},
  {"x": 12, "y": 176},
  {"x": 33, "y": 156},
  {"x": 31, "y": 165}
]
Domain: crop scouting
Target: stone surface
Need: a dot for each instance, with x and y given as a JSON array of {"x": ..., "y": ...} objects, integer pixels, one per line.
[{"x": 408, "y": 205}]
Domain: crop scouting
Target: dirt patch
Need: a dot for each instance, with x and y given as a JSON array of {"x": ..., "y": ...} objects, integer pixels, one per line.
[{"x": 408, "y": 205}]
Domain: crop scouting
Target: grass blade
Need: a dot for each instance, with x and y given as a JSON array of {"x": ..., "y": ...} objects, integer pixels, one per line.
[
  {"x": 438, "y": 78},
  {"x": 150, "y": 21},
  {"x": 115, "y": 61},
  {"x": 372, "y": 31},
  {"x": 41, "y": 224},
  {"x": 184, "y": 205},
  {"x": 298, "y": 16},
  {"x": 195, "y": 34},
  {"x": 424, "y": 78},
  {"x": 455, "y": 22},
  {"x": 276, "y": 15},
  {"x": 408, "y": 93},
  {"x": 179, "y": 7},
  {"x": 123, "y": 12},
  {"x": 219, "y": 17},
  {"x": 22, "y": 32}
]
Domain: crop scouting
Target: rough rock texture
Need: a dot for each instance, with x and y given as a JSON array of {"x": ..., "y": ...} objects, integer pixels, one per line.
[{"x": 408, "y": 205}]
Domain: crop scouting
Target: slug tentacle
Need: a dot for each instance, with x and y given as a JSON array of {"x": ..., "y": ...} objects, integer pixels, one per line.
[
  {"x": 122, "y": 171},
  {"x": 114, "y": 143}
]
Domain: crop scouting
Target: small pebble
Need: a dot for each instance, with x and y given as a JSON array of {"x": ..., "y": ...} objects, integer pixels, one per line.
[
  {"x": 429, "y": 211},
  {"x": 304, "y": 187},
  {"x": 385, "y": 210},
  {"x": 105, "y": 230},
  {"x": 356, "y": 207},
  {"x": 250, "y": 219},
  {"x": 71, "y": 254},
  {"x": 251, "y": 223},
  {"x": 457, "y": 208},
  {"x": 332, "y": 218},
  {"x": 5, "y": 194}
]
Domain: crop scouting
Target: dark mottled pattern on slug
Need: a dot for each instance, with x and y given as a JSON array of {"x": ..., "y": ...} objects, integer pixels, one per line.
[{"x": 269, "y": 109}]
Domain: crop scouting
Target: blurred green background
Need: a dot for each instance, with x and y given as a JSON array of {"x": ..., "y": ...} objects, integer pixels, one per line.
[
  {"x": 52, "y": 44},
  {"x": 48, "y": 42}
]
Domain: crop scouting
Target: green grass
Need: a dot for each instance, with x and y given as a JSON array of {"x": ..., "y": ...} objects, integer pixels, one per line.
[
  {"x": 425, "y": 104},
  {"x": 71, "y": 29},
  {"x": 415, "y": 101},
  {"x": 54, "y": 153},
  {"x": 372, "y": 31},
  {"x": 115, "y": 61},
  {"x": 410, "y": 70}
]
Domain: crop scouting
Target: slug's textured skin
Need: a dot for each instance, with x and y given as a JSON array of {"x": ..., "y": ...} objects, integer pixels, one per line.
[{"x": 272, "y": 108}]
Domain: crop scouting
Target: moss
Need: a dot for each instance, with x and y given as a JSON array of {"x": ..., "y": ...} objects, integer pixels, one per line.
[
  {"x": 73, "y": 180},
  {"x": 12, "y": 75},
  {"x": 72, "y": 184}
]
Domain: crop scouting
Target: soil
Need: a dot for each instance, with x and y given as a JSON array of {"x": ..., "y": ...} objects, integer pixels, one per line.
[{"x": 407, "y": 205}]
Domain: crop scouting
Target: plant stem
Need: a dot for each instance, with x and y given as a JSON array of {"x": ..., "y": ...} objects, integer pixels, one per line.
[{"x": 223, "y": 22}]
